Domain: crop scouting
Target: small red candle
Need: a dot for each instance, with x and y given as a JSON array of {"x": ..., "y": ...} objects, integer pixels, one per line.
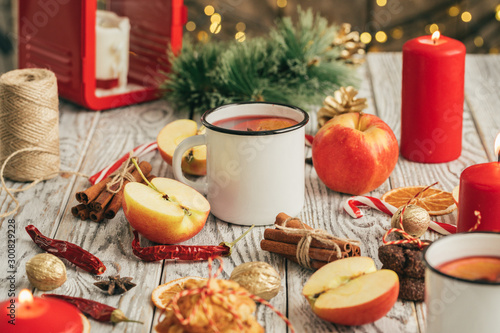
[
  {"x": 30, "y": 314},
  {"x": 480, "y": 191},
  {"x": 432, "y": 99}
]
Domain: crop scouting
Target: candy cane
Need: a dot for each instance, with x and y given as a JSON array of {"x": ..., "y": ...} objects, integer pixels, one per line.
[
  {"x": 352, "y": 204},
  {"x": 137, "y": 152}
]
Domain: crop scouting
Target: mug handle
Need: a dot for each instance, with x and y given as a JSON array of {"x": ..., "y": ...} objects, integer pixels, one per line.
[{"x": 187, "y": 143}]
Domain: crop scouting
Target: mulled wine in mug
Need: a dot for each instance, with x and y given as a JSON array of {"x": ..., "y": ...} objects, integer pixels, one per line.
[
  {"x": 462, "y": 283},
  {"x": 255, "y": 161}
]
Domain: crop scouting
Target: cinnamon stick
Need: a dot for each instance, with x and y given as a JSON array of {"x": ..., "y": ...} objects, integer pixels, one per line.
[
  {"x": 92, "y": 192},
  {"x": 116, "y": 203},
  {"x": 105, "y": 197},
  {"x": 84, "y": 213},
  {"x": 291, "y": 250},
  {"x": 284, "y": 237},
  {"x": 292, "y": 223},
  {"x": 97, "y": 216},
  {"x": 76, "y": 209}
]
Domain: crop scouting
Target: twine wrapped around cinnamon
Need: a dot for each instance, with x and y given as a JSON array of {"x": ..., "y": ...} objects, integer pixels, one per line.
[
  {"x": 104, "y": 199},
  {"x": 310, "y": 248}
]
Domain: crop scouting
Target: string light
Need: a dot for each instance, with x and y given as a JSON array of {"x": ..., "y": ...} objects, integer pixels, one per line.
[
  {"x": 478, "y": 41},
  {"x": 497, "y": 15},
  {"x": 281, "y": 3},
  {"x": 209, "y": 10},
  {"x": 453, "y": 11},
  {"x": 240, "y": 36},
  {"x": 365, "y": 38},
  {"x": 240, "y": 26},
  {"x": 190, "y": 26},
  {"x": 381, "y": 37},
  {"x": 381, "y": 3},
  {"x": 397, "y": 33},
  {"x": 434, "y": 27},
  {"x": 466, "y": 17}
]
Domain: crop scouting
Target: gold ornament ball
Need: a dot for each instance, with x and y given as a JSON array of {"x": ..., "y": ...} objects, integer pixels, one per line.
[
  {"x": 46, "y": 271},
  {"x": 259, "y": 278},
  {"x": 416, "y": 220}
]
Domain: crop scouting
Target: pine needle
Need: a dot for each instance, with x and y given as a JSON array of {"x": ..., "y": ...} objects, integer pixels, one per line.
[{"x": 295, "y": 64}]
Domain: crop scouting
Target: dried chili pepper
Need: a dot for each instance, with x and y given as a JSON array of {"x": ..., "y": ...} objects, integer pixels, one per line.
[
  {"x": 182, "y": 252},
  {"x": 66, "y": 250},
  {"x": 98, "y": 311}
]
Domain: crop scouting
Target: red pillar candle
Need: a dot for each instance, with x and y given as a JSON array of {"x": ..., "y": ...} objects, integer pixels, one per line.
[
  {"x": 479, "y": 190},
  {"x": 29, "y": 314},
  {"x": 432, "y": 99}
]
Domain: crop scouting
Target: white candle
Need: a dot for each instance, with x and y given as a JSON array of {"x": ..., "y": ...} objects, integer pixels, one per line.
[{"x": 112, "y": 47}]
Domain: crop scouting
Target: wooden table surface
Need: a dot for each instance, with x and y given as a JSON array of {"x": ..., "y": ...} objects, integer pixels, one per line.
[{"x": 91, "y": 140}]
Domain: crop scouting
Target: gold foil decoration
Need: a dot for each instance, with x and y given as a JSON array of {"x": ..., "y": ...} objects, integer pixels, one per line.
[
  {"x": 45, "y": 271},
  {"x": 342, "y": 101},
  {"x": 259, "y": 278},
  {"x": 416, "y": 220}
]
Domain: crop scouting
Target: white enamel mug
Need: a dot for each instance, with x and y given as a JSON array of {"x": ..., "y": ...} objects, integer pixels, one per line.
[
  {"x": 456, "y": 305},
  {"x": 251, "y": 176}
]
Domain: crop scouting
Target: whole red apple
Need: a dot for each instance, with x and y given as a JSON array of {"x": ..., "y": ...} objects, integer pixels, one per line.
[{"x": 354, "y": 153}]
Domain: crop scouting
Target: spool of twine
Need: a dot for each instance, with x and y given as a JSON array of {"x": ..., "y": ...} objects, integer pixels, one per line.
[{"x": 29, "y": 125}]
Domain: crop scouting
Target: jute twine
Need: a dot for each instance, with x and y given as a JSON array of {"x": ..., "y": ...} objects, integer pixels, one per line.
[
  {"x": 29, "y": 128},
  {"x": 119, "y": 176},
  {"x": 29, "y": 118},
  {"x": 308, "y": 235}
]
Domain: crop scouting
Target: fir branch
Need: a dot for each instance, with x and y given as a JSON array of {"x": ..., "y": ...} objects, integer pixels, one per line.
[{"x": 294, "y": 65}]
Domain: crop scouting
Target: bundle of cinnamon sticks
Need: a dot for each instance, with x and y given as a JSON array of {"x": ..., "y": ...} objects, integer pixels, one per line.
[
  {"x": 285, "y": 243},
  {"x": 97, "y": 203}
]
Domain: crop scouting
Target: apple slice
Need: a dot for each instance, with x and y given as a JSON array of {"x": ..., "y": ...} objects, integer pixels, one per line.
[
  {"x": 351, "y": 291},
  {"x": 176, "y": 214},
  {"x": 194, "y": 161}
]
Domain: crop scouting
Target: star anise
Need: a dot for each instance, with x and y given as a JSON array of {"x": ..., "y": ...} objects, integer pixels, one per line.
[{"x": 116, "y": 285}]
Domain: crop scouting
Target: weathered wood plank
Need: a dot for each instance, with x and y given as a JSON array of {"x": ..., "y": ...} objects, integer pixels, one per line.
[
  {"x": 482, "y": 86},
  {"x": 43, "y": 204}
]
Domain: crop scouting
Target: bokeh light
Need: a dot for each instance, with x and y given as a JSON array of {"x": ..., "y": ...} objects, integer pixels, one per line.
[
  {"x": 240, "y": 36},
  {"x": 365, "y": 37},
  {"x": 381, "y": 3},
  {"x": 240, "y": 26},
  {"x": 281, "y": 3},
  {"x": 478, "y": 41},
  {"x": 215, "y": 18},
  {"x": 381, "y": 37},
  {"x": 209, "y": 10},
  {"x": 466, "y": 17},
  {"x": 397, "y": 33},
  {"x": 453, "y": 11},
  {"x": 190, "y": 26}
]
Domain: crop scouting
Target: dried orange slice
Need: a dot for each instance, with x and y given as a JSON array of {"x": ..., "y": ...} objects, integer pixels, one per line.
[
  {"x": 434, "y": 201},
  {"x": 162, "y": 294}
]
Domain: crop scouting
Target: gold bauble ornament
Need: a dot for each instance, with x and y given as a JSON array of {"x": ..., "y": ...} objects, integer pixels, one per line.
[
  {"x": 416, "y": 220},
  {"x": 46, "y": 271},
  {"x": 259, "y": 278},
  {"x": 342, "y": 101}
]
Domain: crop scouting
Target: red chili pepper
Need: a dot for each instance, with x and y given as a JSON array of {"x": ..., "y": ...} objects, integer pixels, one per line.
[
  {"x": 182, "y": 252},
  {"x": 96, "y": 310},
  {"x": 66, "y": 250}
]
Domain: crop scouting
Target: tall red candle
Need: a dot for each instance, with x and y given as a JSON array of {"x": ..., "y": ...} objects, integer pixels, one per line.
[{"x": 432, "y": 99}]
